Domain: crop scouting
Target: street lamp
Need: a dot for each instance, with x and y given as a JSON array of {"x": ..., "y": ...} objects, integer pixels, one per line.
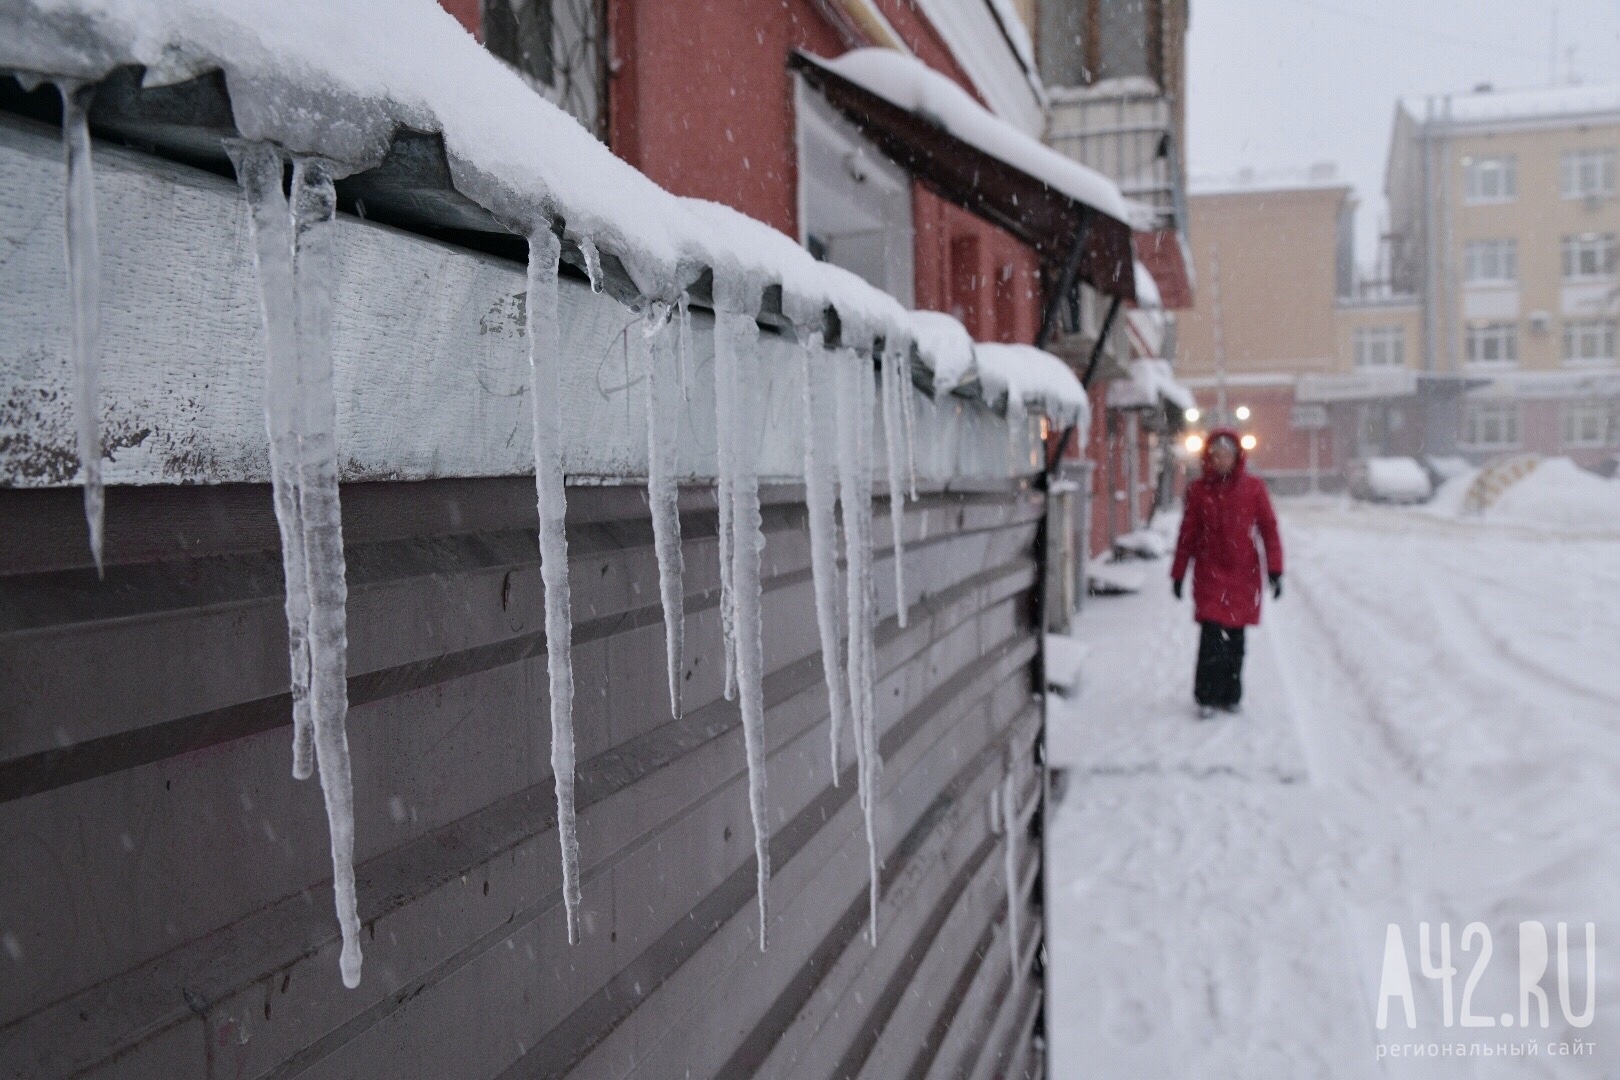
[
  {"x": 1249, "y": 442},
  {"x": 1193, "y": 414},
  {"x": 1242, "y": 412}
]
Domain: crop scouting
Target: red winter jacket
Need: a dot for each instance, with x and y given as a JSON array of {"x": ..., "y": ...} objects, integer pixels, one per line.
[{"x": 1217, "y": 536}]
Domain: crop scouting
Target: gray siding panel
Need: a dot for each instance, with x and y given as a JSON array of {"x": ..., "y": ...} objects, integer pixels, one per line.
[{"x": 176, "y": 917}]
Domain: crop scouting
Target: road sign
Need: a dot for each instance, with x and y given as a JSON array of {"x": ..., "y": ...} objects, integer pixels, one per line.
[{"x": 1308, "y": 417}]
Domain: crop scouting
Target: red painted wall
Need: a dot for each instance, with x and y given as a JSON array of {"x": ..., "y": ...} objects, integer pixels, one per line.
[{"x": 702, "y": 102}]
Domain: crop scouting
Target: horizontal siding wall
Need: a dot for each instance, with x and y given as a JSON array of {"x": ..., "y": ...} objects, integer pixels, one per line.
[{"x": 166, "y": 895}]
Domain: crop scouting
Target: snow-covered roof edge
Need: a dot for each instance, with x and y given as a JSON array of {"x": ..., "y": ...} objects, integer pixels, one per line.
[
  {"x": 300, "y": 75},
  {"x": 1027, "y": 378}
]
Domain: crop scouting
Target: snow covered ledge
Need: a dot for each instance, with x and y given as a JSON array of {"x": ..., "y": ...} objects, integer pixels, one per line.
[{"x": 431, "y": 361}]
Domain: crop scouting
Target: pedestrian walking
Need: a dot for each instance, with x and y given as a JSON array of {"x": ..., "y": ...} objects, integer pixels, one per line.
[{"x": 1225, "y": 508}]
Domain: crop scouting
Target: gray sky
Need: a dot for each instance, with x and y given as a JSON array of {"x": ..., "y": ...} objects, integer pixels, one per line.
[{"x": 1282, "y": 84}]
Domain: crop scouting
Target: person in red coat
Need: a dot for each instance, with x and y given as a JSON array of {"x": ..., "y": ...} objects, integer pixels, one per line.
[{"x": 1225, "y": 508}]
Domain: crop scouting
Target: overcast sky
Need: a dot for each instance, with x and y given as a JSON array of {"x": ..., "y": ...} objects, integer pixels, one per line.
[{"x": 1283, "y": 84}]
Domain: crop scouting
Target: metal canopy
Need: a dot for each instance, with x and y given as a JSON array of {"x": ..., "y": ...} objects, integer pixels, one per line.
[{"x": 1047, "y": 220}]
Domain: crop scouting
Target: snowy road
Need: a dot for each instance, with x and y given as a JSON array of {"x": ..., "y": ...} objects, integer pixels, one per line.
[{"x": 1431, "y": 733}]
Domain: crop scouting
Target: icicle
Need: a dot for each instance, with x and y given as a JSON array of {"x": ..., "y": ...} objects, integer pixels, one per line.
[
  {"x": 908, "y": 418},
  {"x": 736, "y": 334},
  {"x": 725, "y": 390},
  {"x": 593, "y": 262},
  {"x": 820, "y": 491},
  {"x": 84, "y": 287},
  {"x": 894, "y": 443},
  {"x": 1009, "y": 817},
  {"x": 545, "y": 396},
  {"x": 259, "y": 172},
  {"x": 663, "y": 493},
  {"x": 683, "y": 354},
  {"x": 314, "y": 220},
  {"x": 854, "y": 402}
]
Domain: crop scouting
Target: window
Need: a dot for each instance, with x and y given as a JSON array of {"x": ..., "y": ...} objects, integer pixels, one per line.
[
  {"x": 1492, "y": 343},
  {"x": 1586, "y": 423},
  {"x": 1491, "y": 262},
  {"x": 1492, "y": 425},
  {"x": 1589, "y": 341},
  {"x": 1585, "y": 173},
  {"x": 558, "y": 47},
  {"x": 1589, "y": 255},
  {"x": 857, "y": 203},
  {"x": 1380, "y": 346},
  {"x": 1490, "y": 179}
]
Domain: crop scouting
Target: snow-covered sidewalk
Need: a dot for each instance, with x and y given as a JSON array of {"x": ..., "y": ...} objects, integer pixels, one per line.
[{"x": 1431, "y": 733}]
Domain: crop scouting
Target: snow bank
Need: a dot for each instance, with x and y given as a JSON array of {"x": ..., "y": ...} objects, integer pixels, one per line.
[
  {"x": 1065, "y": 657},
  {"x": 1028, "y": 377},
  {"x": 911, "y": 85},
  {"x": 1559, "y": 494}
]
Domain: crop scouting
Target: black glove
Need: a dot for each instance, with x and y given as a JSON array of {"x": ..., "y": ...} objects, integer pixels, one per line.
[
  {"x": 1276, "y": 586},
  {"x": 1175, "y": 587}
]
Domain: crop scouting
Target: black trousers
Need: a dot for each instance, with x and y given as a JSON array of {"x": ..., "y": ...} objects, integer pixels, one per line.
[{"x": 1219, "y": 679}]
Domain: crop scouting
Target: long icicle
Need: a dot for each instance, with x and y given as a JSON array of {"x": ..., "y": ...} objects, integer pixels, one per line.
[
  {"x": 663, "y": 493},
  {"x": 259, "y": 172},
  {"x": 855, "y": 500},
  {"x": 908, "y": 417},
  {"x": 820, "y": 491},
  {"x": 894, "y": 444},
  {"x": 743, "y": 416},
  {"x": 84, "y": 286},
  {"x": 545, "y": 397},
  {"x": 1009, "y": 819},
  {"x": 725, "y": 392},
  {"x": 314, "y": 219}
]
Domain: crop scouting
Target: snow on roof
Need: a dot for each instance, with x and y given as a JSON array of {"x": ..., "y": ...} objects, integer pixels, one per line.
[
  {"x": 945, "y": 347},
  {"x": 317, "y": 77},
  {"x": 1147, "y": 290},
  {"x": 1031, "y": 378},
  {"x": 908, "y": 83},
  {"x": 1149, "y": 381},
  {"x": 1539, "y": 103},
  {"x": 1322, "y": 176}
]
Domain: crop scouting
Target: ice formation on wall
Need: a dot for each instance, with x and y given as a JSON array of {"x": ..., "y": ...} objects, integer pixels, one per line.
[
  {"x": 1009, "y": 820},
  {"x": 895, "y": 388},
  {"x": 855, "y": 415},
  {"x": 739, "y": 417},
  {"x": 314, "y": 224},
  {"x": 84, "y": 287},
  {"x": 820, "y": 494},
  {"x": 665, "y": 392},
  {"x": 545, "y": 397},
  {"x": 259, "y": 170}
]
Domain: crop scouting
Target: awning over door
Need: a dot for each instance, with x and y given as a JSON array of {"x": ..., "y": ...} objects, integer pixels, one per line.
[{"x": 956, "y": 148}]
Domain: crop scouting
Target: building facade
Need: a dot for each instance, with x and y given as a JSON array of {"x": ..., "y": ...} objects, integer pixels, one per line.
[{"x": 1504, "y": 217}]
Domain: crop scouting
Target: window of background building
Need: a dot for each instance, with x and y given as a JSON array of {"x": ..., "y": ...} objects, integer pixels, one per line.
[
  {"x": 1589, "y": 255},
  {"x": 1589, "y": 341},
  {"x": 1491, "y": 262},
  {"x": 1492, "y": 343},
  {"x": 1585, "y": 173},
  {"x": 1586, "y": 424},
  {"x": 559, "y": 49},
  {"x": 1490, "y": 179},
  {"x": 1380, "y": 346},
  {"x": 1492, "y": 425}
]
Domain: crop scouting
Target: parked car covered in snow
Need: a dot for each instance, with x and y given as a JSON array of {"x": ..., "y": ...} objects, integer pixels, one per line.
[{"x": 1389, "y": 479}]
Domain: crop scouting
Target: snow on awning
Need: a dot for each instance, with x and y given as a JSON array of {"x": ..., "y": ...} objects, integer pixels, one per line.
[
  {"x": 945, "y": 347},
  {"x": 1150, "y": 384},
  {"x": 1027, "y": 378},
  {"x": 934, "y": 130}
]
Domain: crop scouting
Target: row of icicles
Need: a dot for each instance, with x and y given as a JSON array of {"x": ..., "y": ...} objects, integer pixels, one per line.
[{"x": 294, "y": 247}]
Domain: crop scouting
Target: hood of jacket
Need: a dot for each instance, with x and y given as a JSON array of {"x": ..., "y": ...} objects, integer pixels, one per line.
[{"x": 1237, "y": 441}]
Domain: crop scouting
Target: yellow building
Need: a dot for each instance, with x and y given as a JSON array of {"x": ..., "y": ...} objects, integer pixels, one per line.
[{"x": 1503, "y": 224}]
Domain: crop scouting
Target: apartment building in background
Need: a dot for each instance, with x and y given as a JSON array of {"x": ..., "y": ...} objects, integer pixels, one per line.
[{"x": 1504, "y": 217}]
